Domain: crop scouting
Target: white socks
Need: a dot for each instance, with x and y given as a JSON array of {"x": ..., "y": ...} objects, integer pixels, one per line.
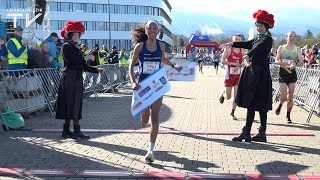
[{"x": 151, "y": 147}]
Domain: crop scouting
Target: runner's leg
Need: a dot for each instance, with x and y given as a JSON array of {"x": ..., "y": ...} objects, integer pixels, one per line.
[
  {"x": 291, "y": 88},
  {"x": 155, "y": 114}
]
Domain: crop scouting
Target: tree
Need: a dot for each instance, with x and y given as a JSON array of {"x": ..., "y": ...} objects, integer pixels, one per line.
[
  {"x": 308, "y": 35},
  {"x": 318, "y": 36}
]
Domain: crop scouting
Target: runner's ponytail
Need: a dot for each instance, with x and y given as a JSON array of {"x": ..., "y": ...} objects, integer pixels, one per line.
[{"x": 138, "y": 33}]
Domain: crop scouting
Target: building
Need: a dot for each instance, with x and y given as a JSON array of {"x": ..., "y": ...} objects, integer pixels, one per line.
[{"x": 107, "y": 22}]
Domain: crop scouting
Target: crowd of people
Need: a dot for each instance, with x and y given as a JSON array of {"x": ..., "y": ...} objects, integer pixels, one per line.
[
  {"x": 310, "y": 55},
  {"x": 17, "y": 52}
]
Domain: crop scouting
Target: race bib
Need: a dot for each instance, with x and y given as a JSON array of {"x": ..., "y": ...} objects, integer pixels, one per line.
[
  {"x": 149, "y": 67},
  {"x": 234, "y": 70}
]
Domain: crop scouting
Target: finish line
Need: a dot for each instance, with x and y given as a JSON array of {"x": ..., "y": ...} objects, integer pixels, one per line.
[
  {"x": 145, "y": 131},
  {"x": 145, "y": 174}
]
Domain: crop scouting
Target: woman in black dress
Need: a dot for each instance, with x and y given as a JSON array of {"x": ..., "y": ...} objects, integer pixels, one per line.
[
  {"x": 255, "y": 86},
  {"x": 69, "y": 101}
]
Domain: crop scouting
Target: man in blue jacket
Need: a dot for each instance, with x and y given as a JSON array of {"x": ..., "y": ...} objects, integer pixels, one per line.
[
  {"x": 3, "y": 54},
  {"x": 53, "y": 39},
  {"x": 17, "y": 50},
  {"x": 3, "y": 30}
]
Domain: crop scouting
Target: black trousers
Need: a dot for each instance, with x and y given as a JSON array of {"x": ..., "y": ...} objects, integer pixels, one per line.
[{"x": 250, "y": 119}]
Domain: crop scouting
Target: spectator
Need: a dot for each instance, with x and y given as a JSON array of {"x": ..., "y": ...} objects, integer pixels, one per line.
[
  {"x": 84, "y": 49},
  {"x": 3, "y": 54},
  {"x": 38, "y": 57},
  {"x": 318, "y": 46},
  {"x": 94, "y": 51},
  {"x": 53, "y": 40},
  {"x": 17, "y": 50},
  {"x": 272, "y": 57},
  {"x": 123, "y": 64},
  {"x": 112, "y": 57},
  {"x": 3, "y": 30},
  {"x": 103, "y": 54},
  {"x": 314, "y": 57},
  {"x": 92, "y": 62},
  {"x": 307, "y": 55}
]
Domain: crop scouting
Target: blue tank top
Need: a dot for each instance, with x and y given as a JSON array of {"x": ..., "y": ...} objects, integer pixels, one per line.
[{"x": 149, "y": 61}]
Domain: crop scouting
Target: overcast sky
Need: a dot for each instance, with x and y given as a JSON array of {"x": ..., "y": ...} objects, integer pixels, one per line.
[{"x": 218, "y": 17}]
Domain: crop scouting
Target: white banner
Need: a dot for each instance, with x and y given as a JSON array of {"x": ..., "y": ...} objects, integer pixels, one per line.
[
  {"x": 186, "y": 70},
  {"x": 151, "y": 89}
]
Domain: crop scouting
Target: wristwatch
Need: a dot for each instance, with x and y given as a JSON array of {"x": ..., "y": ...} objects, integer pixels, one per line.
[{"x": 173, "y": 64}]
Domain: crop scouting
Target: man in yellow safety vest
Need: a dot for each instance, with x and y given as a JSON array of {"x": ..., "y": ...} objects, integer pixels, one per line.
[
  {"x": 103, "y": 54},
  {"x": 123, "y": 64},
  {"x": 17, "y": 50}
]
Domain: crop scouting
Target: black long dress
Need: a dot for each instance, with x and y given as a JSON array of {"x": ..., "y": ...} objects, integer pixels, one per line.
[
  {"x": 69, "y": 101},
  {"x": 255, "y": 85}
]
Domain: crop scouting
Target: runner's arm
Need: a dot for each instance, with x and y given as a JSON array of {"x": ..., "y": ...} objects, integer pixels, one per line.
[
  {"x": 134, "y": 60},
  {"x": 164, "y": 60}
]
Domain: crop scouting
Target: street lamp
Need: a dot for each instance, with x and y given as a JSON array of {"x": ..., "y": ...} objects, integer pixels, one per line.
[{"x": 109, "y": 23}]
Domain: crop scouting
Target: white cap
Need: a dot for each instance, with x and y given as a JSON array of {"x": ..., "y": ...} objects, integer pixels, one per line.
[{"x": 34, "y": 40}]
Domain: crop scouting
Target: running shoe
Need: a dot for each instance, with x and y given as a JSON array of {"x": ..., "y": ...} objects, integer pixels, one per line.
[
  {"x": 149, "y": 157},
  {"x": 233, "y": 117},
  {"x": 278, "y": 110},
  {"x": 289, "y": 120},
  {"x": 221, "y": 99}
]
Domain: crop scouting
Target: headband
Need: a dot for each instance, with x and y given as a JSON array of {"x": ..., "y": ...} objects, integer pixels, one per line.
[{"x": 152, "y": 21}]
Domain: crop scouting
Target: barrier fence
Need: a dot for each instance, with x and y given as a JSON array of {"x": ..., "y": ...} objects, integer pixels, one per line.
[
  {"x": 33, "y": 90},
  {"x": 26, "y": 91},
  {"x": 21, "y": 91}
]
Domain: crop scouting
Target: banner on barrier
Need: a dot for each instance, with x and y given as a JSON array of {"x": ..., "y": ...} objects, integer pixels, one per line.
[
  {"x": 186, "y": 71},
  {"x": 151, "y": 89}
]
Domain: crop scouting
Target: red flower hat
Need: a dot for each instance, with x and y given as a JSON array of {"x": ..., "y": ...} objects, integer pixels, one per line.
[
  {"x": 72, "y": 26},
  {"x": 264, "y": 16}
]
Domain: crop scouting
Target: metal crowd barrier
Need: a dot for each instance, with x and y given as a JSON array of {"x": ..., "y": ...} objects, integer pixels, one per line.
[
  {"x": 50, "y": 78},
  {"x": 114, "y": 76},
  {"x": 31, "y": 90},
  {"x": 274, "y": 72},
  {"x": 306, "y": 91},
  {"x": 21, "y": 91}
]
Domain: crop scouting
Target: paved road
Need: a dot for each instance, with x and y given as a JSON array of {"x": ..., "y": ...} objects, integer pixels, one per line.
[{"x": 191, "y": 106}]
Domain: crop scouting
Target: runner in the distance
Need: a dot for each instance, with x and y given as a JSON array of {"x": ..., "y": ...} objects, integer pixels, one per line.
[
  {"x": 216, "y": 59},
  {"x": 148, "y": 52},
  {"x": 201, "y": 57},
  {"x": 232, "y": 59}
]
